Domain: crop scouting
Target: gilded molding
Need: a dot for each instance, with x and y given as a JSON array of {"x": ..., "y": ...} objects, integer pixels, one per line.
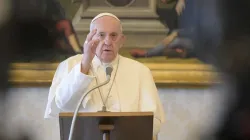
[{"x": 34, "y": 74}]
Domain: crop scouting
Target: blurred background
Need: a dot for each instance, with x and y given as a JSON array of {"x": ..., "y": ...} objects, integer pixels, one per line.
[{"x": 197, "y": 51}]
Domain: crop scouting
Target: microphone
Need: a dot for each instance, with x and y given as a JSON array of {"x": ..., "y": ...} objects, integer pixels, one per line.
[
  {"x": 108, "y": 74},
  {"x": 109, "y": 71}
]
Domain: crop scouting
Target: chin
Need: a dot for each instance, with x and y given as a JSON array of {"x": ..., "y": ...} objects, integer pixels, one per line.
[{"x": 108, "y": 59}]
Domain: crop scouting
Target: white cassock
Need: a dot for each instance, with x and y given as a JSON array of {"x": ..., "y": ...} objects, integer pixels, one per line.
[{"x": 131, "y": 89}]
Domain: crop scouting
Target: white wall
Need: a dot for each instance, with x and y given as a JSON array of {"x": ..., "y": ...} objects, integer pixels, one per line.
[{"x": 187, "y": 110}]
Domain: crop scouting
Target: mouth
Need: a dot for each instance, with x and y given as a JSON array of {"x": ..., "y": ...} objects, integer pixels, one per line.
[{"x": 106, "y": 50}]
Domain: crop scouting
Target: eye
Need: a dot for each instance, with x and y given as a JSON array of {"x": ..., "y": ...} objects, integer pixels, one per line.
[
  {"x": 101, "y": 35},
  {"x": 114, "y": 35}
]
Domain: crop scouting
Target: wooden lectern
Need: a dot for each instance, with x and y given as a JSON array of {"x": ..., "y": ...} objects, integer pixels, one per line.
[{"x": 108, "y": 126}]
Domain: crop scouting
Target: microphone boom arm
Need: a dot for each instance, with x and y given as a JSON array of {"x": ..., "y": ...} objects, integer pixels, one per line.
[{"x": 79, "y": 104}]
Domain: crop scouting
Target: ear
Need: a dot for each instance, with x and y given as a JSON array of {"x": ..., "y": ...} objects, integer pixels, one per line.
[{"x": 123, "y": 39}]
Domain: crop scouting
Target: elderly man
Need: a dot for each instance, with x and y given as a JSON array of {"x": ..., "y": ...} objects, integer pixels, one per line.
[{"x": 131, "y": 88}]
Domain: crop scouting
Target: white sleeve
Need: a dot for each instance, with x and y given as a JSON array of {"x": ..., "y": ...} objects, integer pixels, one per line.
[
  {"x": 71, "y": 88},
  {"x": 150, "y": 100},
  {"x": 66, "y": 89}
]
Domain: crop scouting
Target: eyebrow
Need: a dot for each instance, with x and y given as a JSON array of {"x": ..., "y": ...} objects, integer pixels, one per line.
[{"x": 105, "y": 33}]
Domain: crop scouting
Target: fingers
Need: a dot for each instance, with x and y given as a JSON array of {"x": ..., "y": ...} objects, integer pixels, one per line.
[
  {"x": 89, "y": 42},
  {"x": 90, "y": 35},
  {"x": 93, "y": 45}
]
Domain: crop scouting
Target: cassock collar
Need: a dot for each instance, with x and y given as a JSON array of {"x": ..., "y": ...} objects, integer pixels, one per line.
[{"x": 96, "y": 63}]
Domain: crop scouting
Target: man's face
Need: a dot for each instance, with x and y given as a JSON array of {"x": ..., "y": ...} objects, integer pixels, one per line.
[{"x": 111, "y": 38}]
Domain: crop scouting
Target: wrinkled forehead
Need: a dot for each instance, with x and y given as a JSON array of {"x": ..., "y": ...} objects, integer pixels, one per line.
[{"x": 106, "y": 23}]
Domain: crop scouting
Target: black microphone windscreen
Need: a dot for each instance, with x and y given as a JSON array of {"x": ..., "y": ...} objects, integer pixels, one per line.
[{"x": 109, "y": 71}]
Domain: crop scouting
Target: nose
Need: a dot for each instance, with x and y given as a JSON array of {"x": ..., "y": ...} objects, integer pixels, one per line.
[{"x": 108, "y": 41}]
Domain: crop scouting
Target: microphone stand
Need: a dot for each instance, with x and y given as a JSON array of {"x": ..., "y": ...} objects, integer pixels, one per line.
[
  {"x": 105, "y": 125},
  {"x": 106, "y": 128},
  {"x": 79, "y": 104}
]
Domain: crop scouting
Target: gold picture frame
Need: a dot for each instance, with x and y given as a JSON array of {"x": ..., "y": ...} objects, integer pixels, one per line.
[{"x": 167, "y": 74}]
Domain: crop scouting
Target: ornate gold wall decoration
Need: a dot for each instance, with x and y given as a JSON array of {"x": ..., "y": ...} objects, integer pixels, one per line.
[{"x": 193, "y": 75}]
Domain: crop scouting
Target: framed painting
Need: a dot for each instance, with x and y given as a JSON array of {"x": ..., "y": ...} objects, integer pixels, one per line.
[{"x": 141, "y": 33}]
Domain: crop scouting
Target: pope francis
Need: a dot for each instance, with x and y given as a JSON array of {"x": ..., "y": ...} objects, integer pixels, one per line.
[{"x": 131, "y": 87}]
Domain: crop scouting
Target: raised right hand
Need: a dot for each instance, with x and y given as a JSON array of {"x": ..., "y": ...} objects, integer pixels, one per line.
[{"x": 89, "y": 48}]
